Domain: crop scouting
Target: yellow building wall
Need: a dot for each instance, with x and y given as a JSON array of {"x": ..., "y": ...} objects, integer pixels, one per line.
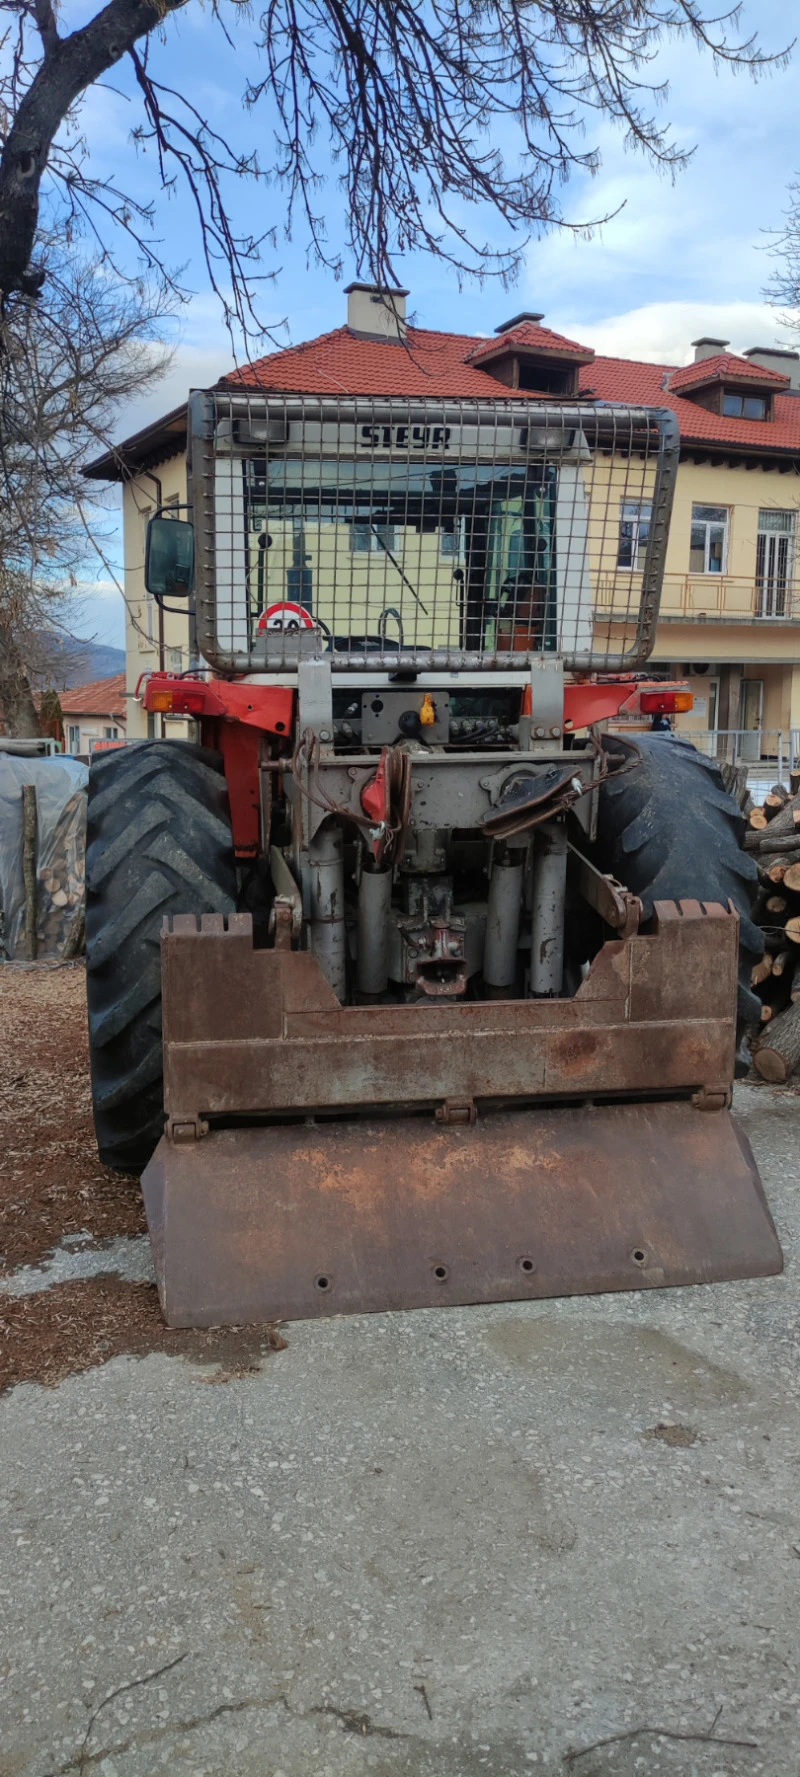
[
  {"x": 745, "y": 492},
  {"x": 350, "y": 588}
]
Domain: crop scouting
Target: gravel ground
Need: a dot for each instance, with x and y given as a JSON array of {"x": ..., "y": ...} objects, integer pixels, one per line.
[{"x": 429, "y": 1545}]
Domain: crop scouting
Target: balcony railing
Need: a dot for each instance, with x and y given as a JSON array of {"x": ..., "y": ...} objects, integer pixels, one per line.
[{"x": 711, "y": 598}]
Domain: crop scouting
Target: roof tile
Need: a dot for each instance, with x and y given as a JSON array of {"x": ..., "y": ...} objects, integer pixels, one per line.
[
  {"x": 625, "y": 379},
  {"x": 726, "y": 366},
  {"x": 529, "y": 337},
  {"x": 103, "y": 697},
  {"x": 444, "y": 365}
]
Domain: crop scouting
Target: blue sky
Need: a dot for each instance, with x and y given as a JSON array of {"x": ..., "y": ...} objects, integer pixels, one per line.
[{"x": 682, "y": 258}]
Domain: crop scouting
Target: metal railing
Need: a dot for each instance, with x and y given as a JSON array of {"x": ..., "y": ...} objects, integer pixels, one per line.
[
  {"x": 768, "y": 753},
  {"x": 711, "y": 597}
]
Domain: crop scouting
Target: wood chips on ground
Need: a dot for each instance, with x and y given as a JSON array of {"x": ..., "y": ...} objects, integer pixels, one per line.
[
  {"x": 52, "y": 1185},
  {"x": 51, "y": 1181}
]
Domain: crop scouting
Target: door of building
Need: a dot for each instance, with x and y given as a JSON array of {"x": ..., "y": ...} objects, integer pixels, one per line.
[
  {"x": 752, "y": 706},
  {"x": 774, "y": 551}
]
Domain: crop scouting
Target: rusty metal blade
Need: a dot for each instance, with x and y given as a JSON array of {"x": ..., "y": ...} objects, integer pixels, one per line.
[{"x": 298, "y": 1220}]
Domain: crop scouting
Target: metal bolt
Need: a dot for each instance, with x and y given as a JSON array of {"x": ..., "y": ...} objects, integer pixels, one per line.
[
  {"x": 324, "y": 734},
  {"x": 555, "y": 733},
  {"x": 540, "y": 733}
]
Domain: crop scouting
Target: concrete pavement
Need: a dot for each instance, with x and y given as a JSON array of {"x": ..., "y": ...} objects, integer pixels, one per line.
[{"x": 445, "y": 1544}]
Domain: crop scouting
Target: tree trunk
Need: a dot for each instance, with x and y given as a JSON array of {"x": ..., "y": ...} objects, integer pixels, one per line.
[
  {"x": 777, "y": 1059},
  {"x": 17, "y": 707},
  {"x": 785, "y": 843},
  {"x": 70, "y": 65},
  {"x": 734, "y": 778},
  {"x": 785, "y": 822}
]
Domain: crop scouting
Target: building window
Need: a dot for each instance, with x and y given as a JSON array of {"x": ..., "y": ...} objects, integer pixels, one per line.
[
  {"x": 452, "y": 541},
  {"x": 709, "y": 547},
  {"x": 371, "y": 539},
  {"x": 176, "y": 660},
  {"x": 744, "y": 407},
  {"x": 111, "y": 734},
  {"x": 634, "y": 530},
  {"x": 546, "y": 379},
  {"x": 74, "y": 738},
  {"x": 774, "y": 562}
]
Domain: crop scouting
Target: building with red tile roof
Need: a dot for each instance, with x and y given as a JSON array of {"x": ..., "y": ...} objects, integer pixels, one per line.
[
  {"x": 457, "y": 366},
  {"x": 94, "y": 712},
  {"x": 730, "y": 610}
]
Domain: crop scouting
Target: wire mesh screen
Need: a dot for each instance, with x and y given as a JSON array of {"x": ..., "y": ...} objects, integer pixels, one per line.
[{"x": 458, "y": 535}]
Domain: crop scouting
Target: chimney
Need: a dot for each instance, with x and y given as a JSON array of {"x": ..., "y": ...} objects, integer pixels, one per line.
[
  {"x": 375, "y": 313},
  {"x": 708, "y": 348},
  {"x": 517, "y": 320},
  {"x": 787, "y": 363}
]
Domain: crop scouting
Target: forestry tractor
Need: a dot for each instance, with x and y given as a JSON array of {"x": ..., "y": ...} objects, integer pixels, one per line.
[{"x": 409, "y": 982}]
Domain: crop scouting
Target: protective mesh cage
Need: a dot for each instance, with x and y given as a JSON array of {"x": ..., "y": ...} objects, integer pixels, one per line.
[{"x": 450, "y": 535}]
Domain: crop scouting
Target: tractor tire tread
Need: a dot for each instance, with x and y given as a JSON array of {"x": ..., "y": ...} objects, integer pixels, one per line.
[{"x": 159, "y": 842}]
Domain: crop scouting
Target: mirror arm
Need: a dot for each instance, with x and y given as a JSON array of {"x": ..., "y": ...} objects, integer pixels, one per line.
[{"x": 178, "y": 610}]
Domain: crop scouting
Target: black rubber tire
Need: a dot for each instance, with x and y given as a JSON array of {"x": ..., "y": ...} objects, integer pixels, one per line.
[
  {"x": 159, "y": 841},
  {"x": 670, "y": 832}
]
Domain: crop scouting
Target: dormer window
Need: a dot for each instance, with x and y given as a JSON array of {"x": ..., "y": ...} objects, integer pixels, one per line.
[
  {"x": 530, "y": 357},
  {"x": 546, "y": 379},
  {"x": 729, "y": 385},
  {"x": 745, "y": 407}
]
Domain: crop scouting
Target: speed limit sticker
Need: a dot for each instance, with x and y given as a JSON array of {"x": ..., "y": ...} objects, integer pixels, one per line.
[{"x": 286, "y": 616}]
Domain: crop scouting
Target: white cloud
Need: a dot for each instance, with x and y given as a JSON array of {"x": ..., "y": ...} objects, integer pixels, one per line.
[
  {"x": 662, "y": 332},
  {"x": 192, "y": 367}
]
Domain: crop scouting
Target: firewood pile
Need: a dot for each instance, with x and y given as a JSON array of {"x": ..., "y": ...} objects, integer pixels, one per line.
[
  {"x": 60, "y": 892},
  {"x": 772, "y": 838}
]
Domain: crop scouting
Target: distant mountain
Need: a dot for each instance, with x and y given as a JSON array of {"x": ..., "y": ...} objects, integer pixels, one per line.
[{"x": 65, "y": 661}]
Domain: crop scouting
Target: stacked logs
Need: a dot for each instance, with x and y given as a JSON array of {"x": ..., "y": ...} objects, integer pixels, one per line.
[
  {"x": 61, "y": 884},
  {"x": 773, "y": 840}
]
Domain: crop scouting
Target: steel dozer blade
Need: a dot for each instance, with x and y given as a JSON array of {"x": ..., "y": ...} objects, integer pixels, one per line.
[
  {"x": 291, "y": 1222},
  {"x": 346, "y": 1194}
]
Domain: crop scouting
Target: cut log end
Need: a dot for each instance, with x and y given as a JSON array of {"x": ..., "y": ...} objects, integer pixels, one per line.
[
  {"x": 771, "y": 1066},
  {"x": 777, "y": 1059}
]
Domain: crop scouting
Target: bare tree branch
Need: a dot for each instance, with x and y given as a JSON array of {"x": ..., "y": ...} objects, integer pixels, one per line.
[
  {"x": 65, "y": 366},
  {"x": 413, "y": 100}
]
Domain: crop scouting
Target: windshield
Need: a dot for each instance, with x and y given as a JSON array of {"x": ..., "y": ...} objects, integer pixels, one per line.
[{"x": 427, "y": 553}]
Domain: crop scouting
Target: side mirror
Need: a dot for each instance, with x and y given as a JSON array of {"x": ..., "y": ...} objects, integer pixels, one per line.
[{"x": 169, "y": 558}]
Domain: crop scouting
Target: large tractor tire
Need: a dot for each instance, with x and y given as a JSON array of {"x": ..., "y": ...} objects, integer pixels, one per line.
[
  {"x": 159, "y": 841},
  {"x": 670, "y": 832}
]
